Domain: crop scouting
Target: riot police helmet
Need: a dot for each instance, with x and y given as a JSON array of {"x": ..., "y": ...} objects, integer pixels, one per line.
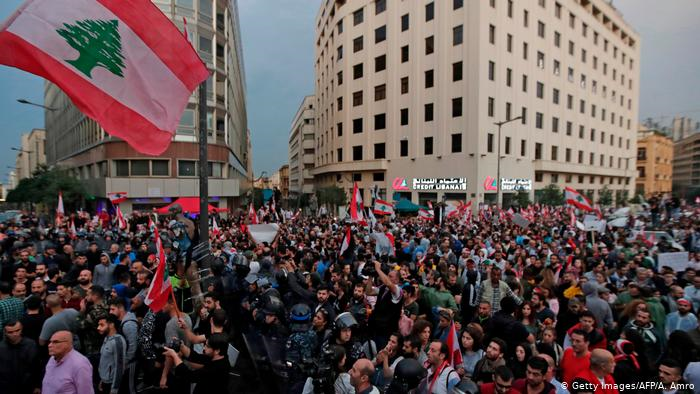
[
  {"x": 300, "y": 314},
  {"x": 344, "y": 320},
  {"x": 407, "y": 376},
  {"x": 273, "y": 306}
]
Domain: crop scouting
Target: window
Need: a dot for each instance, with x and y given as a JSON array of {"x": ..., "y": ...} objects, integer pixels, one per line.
[
  {"x": 160, "y": 167},
  {"x": 569, "y": 101},
  {"x": 556, "y": 67},
  {"x": 492, "y": 34},
  {"x": 456, "y": 107},
  {"x": 580, "y": 159},
  {"x": 582, "y": 106},
  {"x": 404, "y": 22},
  {"x": 509, "y": 43},
  {"x": 591, "y": 159},
  {"x": 557, "y": 10},
  {"x": 592, "y": 134},
  {"x": 404, "y": 85},
  {"x": 523, "y": 147},
  {"x": 357, "y": 152},
  {"x": 358, "y": 178},
  {"x": 507, "y": 145},
  {"x": 567, "y": 155},
  {"x": 357, "y": 71},
  {"x": 380, "y": 63},
  {"x": 457, "y": 4},
  {"x": 457, "y": 143},
  {"x": 380, "y": 121},
  {"x": 380, "y": 92},
  {"x": 428, "y": 145},
  {"x": 570, "y": 74},
  {"x": 571, "y": 48},
  {"x": 538, "y": 177},
  {"x": 489, "y": 143},
  {"x": 339, "y": 127},
  {"x": 457, "y": 35},
  {"x": 205, "y": 44},
  {"x": 403, "y": 148},
  {"x": 555, "y": 153},
  {"x": 509, "y": 76},
  {"x": 555, "y": 96},
  {"x": 569, "y": 128},
  {"x": 358, "y": 16},
  {"x": 186, "y": 168},
  {"x": 340, "y": 27},
  {"x": 642, "y": 172},
  {"x": 540, "y": 60},
  {"x": 358, "y": 44},
  {"x": 457, "y": 71},
  {"x": 524, "y": 51},
  {"x": 429, "y": 45},
  {"x": 357, "y": 98},
  {"x": 526, "y": 18},
  {"x": 428, "y": 115},
  {"x": 490, "y": 107},
  {"x": 404, "y": 54},
  {"x": 523, "y": 116},
  {"x": 380, "y": 34},
  {"x": 404, "y": 116},
  {"x": 122, "y": 167},
  {"x": 541, "y": 3},
  {"x": 538, "y": 151},
  {"x": 380, "y": 6},
  {"x": 339, "y": 154},
  {"x": 572, "y": 20},
  {"x": 185, "y": 3},
  {"x": 539, "y": 120},
  {"x": 492, "y": 71},
  {"x": 641, "y": 153},
  {"x": 557, "y": 39},
  {"x": 380, "y": 151},
  {"x": 429, "y": 11},
  {"x": 555, "y": 178},
  {"x": 357, "y": 126},
  {"x": 524, "y": 83},
  {"x": 340, "y": 78},
  {"x": 340, "y": 103},
  {"x": 508, "y": 110},
  {"x": 429, "y": 79},
  {"x": 540, "y": 29},
  {"x": 340, "y": 52},
  {"x": 555, "y": 124},
  {"x": 540, "y": 90},
  {"x": 583, "y": 55}
]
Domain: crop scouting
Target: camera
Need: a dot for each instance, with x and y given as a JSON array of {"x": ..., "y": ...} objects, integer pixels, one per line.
[
  {"x": 320, "y": 369},
  {"x": 369, "y": 270},
  {"x": 173, "y": 343}
]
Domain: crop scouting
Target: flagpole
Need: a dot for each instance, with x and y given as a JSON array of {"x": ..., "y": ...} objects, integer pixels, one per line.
[{"x": 203, "y": 166}]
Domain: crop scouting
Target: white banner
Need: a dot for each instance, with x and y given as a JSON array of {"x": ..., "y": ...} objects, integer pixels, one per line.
[
  {"x": 263, "y": 232},
  {"x": 519, "y": 220},
  {"x": 676, "y": 260}
]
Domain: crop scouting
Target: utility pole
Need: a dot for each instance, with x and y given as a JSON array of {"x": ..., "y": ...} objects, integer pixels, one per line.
[
  {"x": 499, "y": 195},
  {"x": 203, "y": 166}
]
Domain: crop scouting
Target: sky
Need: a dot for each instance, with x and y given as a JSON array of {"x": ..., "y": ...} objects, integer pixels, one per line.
[{"x": 278, "y": 52}]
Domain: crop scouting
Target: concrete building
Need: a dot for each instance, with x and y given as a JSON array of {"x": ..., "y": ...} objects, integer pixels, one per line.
[
  {"x": 686, "y": 166},
  {"x": 31, "y": 153},
  {"x": 12, "y": 180},
  {"x": 301, "y": 148},
  {"x": 654, "y": 162},
  {"x": 683, "y": 127},
  {"x": 284, "y": 180},
  {"x": 107, "y": 164},
  {"x": 408, "y": 93}
]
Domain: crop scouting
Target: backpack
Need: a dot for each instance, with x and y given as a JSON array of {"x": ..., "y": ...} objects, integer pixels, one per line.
[{"x": 120, "y": 331}]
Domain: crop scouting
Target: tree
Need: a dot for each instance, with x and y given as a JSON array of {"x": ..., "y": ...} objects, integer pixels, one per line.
[
  {"x": 605, "y": 196},
  {"x": 43, "y": 188},
  {"x": 99, "y": 44},
  {"x": 522, "y": 198},
  {"x": 551, "y": 195},
  {"x": 332, "y": 196},
  {"x": 621, "y": 198}
]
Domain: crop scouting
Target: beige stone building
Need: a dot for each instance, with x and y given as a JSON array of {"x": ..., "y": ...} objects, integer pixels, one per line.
[
  {"x": 30, "y": 154},
  {"x": 654, "y": 162},
  {"x": 407, "y": 94},
  {"x": 301, "y": 148},
  {"x": 686, "y": 166}
]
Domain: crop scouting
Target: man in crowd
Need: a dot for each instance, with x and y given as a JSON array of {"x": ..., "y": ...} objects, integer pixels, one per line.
[
  {"x": 112, "y": 355},
  {"x": 493, "y": 358},
  {"x": 68, "y": 371},
  {"x": 602, "y": 365},
  {"x": 576, "y": 358},
  {"x": 20, "y": 368}
]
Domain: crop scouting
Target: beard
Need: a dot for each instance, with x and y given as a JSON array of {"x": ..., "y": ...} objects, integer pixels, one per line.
[{"x": 83, "y": 281}]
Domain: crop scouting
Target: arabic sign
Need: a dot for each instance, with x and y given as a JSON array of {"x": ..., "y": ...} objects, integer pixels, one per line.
[
  {"x": 440, "y": 183},
  {"x": 399, "y": 184},
  {"x": 516, "y": 184}
]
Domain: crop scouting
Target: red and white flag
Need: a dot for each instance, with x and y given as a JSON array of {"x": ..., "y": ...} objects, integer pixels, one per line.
[
  {"x": 121, "y": 221},
  {"x": 455, "y": 355},
  {"x": 214, "y": 226},
  {"x": 72, "y": 231},
  {"x": 59, "y": 209},
  {"x": 117, "y": 197},
  {"x": 426, "y": 214},
  {"x": 577, "y": 199},
  {"x": 572, "y": 217},
  {"x": 356, "y": 206},
  {"x": 347, "y": 240},
  {"x": 252, "y": 215},
  {"x": 160, "y": 288},
  {"x": 122, "y": 63},
  {"x": 382, "y": 207}
]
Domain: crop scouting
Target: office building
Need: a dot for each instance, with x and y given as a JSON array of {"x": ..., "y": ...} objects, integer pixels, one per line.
[
  {"x": 686, "y": 166},
  {"x": 106, "y": 164},
  {"x": 30, "y": 153},
  {"x": 654, "y": 162},
  {"x": 407, "y": 94},
  {"x": 301, "y": 148}
]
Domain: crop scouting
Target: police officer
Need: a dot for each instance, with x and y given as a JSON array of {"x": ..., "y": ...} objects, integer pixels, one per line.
[
  {"x": 300, "y": 345},
  {"x": 407, "y": 376},
  {"x": 343, "y": 327}
]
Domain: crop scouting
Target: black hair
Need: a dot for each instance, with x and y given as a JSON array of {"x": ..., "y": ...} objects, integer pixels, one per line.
[
  {"x": 584, "y": 334},
  {"x": 671, "y": 363},
  {"x": 587, "y": 313},
  {"x": 111, "y": 319},
  {"x": 539, "y": 364},
  {"x": 503, "y": 372},
  {"x": 97, "y": 290},
  {"x": 5, "y": 288},
  {"x": 118, "y": 301},
  {"x": 218, "y": 317},
  {"x": 501, "y": 344},
  {"x": 32, "y": 302},
  {"x": 218, "y": 342}
]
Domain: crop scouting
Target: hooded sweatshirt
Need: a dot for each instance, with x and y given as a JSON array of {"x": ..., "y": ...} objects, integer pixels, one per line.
[
  {"x": 130, "y": 331},
  {"x": 112, "y": 361},
  {"x": 103, "y": 275},
  {"x": 597, "y": 306}
]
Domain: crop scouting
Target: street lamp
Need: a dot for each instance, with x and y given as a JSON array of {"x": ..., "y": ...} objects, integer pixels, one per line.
[
  {"x": 25, "y": 101},
  {"x": 499, "y": 195}
]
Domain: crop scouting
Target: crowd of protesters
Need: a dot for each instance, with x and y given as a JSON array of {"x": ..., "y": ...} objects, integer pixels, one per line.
[{"x": 544, "y": 307}]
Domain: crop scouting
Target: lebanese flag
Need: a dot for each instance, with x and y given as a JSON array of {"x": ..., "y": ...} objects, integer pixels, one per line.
[
  {"x": 59, "y": 210},
  {"x": 117, "y": 197},
  {"x": 425, "y": 214},
  {"x": 252, "y": 215},
  {"x": 122, "y": 63},
  {"x": 572, "y": 217},
  {"x": 382, "y": 207},
  {"x": 214, "y": 226},
  {"x": 72, "y": 231},
  {"x": 160, "y": 288},
  {"x": 347, "y": 240},
  {"x": 121, "y": 221},
  {"x": 577, "y": 199},
  {"x": 356, "y": 206},
  {"x": 455, "y": 355}
]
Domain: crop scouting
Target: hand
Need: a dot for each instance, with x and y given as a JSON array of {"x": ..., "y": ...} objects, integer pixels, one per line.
[
  {"x": 168, "y": 352},
  {"x": 83, "y": 305},
  {"x": 181, "y": 323},
  {"x": 163, "y": 382},
  {"x": 460, "y": 371},
  {"x": 377, "y": 265}
]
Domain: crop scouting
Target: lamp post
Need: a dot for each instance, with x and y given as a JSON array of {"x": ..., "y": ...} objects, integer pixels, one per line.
[
  {"x": 499, "y": 195},
  {"x": 25, "y": 101}
]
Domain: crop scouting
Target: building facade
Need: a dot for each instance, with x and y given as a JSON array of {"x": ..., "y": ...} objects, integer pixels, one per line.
[
  {"x": 301, "y": 148},
  {"x": 682, "y": 127},
  {"x": 408, "y": 94},
  {"x": 654, "y": 162},
  {"x": 686, "y": 166},
  {"x": 107, "y": 164},
  {"x": 31, "y": 153}
]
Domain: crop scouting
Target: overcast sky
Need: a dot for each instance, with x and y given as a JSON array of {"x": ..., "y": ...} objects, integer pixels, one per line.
[{"x": 278, "y": 52}]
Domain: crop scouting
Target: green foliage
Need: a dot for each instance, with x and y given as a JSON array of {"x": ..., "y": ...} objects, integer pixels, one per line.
[
  {"x": 522, "y": 198},
  {"x": 621, "y": 198},
  {"x": 605, "y": 196},
  {"x": 300, "y": 201},
  {"x": 551, "y": 195},
  {"x": 258, "y": 197},
  {"x": 331, "y": 196},
  {"x": 43, "y": 188}
]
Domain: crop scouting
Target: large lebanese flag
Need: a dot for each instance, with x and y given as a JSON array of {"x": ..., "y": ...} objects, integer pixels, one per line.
[
  {"x": 121, "y": 62},
  {"x": 160, "y": 288},
  {"x": 382, "y": 207},
  {"x": 577, "y": 199}
]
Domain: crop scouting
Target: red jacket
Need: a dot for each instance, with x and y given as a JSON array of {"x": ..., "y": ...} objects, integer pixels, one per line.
[
  {"x": 590, "y": 377},
  {"x": 520, "y": 386},
  {"x": 597, "y": 337},
  {"x": 490, "y": 388}
]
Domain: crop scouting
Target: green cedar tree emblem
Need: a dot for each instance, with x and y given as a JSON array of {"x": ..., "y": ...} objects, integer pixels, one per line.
[{"x": 98, "y": 43}]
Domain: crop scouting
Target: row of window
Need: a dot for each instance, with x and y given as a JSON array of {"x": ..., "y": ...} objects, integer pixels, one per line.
[
  {"x": 569, "y": 178},
  {"x": 161, "y": 168}
]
